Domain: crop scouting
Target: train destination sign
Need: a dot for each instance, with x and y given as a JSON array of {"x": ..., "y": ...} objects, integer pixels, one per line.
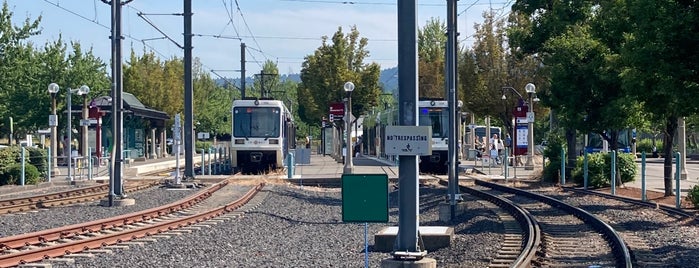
[{"x": 408, "y": 140}]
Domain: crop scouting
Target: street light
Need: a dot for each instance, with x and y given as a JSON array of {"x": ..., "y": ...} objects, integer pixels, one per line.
[
  {"x": 83, "y": 90},
  {"x": 53, "y": 122},
  {"x": 531, "y": 91},
  {"x": 349, "y": 168}
]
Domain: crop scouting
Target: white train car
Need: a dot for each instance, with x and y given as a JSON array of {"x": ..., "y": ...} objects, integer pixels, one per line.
[
  {"x": 435, "y": 113},
  {"x": 263, "y": 132}
]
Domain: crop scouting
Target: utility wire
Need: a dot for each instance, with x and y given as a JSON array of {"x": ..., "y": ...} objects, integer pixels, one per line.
[
  {"x": 248, "y": 27},
  {"x": 142, "y": 16}
]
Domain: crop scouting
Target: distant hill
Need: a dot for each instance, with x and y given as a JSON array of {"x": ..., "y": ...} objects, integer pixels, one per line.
[{"x": 388, "y": 78}]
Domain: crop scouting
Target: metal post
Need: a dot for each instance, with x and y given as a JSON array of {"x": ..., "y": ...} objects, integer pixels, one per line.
[
  {"x": 585, "y": 174},
  {"x": 83, "y": 136},
  {"x": 188, "y": 93},
  {"x": 203, "y": 164},
  {"x": 366, "y": 245},
  {"x": 530, "y": 137},
  {"x": 505, "y": 163},
  {"x": 451, "y": 93},
  {"x": 349, "y": 166},
  {"x": 563, "y": 166},
  {"x": 69, "y": 133},
  {"x": 242, "y": 70},
  {"x": 49, "y": 166},
  {"x": 643, "y": 176},
  {"x": 613, "y": 172},
  {"x": 678, "y": 171},
  {"x": 406, "y": 246},
  {"x": 23, "y": 165},
  {"x": 53, "y": 153},
  {"x": 209, "y": 156},
  {"x": 89, "y": 163}
]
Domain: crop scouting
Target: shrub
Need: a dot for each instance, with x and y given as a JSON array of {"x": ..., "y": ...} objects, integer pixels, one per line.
[
  {"x": 203, "y": 145},
  {"x": 646, "y": 145},
  {"x": 599, "y": 167},
  {"x": 693, "y": 196},
  {"x": 555, "y": 142},
  {"x": 13, "y": 174}
]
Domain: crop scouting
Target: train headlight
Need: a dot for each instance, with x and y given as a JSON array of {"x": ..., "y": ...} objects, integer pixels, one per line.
[
  {"x": 239, "y": 141},
  {"x": 273, "y": 141}
]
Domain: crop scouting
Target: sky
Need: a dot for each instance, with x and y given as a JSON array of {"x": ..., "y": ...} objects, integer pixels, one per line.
[{"x": 283, "y": 31}]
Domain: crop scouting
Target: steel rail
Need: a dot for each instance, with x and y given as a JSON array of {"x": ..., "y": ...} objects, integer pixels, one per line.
[
  {"x": 666, "y": 208},
  {"x": 57, "y": 250},
  {"x": 36, "y": 238},
  {"x": 532, "y": 230},
  {"x": 619, "y": 248}
]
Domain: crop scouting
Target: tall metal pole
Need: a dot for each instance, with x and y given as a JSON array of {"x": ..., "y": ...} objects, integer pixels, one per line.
[
  {"x": 451, "y": 93},
  {"x": 530, "y": 136},
  {"x": 118, "y": 104},
  {"x": 408, "y": 211},
  {"x": 69, "y": 134},
  {"x": 84, "y": 140},
  {"x": 349, "y": 168},
  {"x": 188, "y": 94},
  {"x": 54, "y": 137},
  {"x": 242, "y": 69}
]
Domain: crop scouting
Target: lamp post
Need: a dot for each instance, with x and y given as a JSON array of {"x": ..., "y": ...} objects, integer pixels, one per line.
[
  {"x": 53, "y": 122},
  {"x": 83, "y": 90},
  {"x": 531, "y": 91},
  {"x": 349, "y": 168},
  {"x": 85, "y": 123}
]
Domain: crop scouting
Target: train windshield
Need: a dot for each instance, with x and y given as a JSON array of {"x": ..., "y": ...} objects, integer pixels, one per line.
[
  {"x": 256, "y": 122},
  {"x": 436, "y": 117}
]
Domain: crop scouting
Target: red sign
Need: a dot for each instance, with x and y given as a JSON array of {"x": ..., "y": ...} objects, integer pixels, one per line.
[{"x": 337, "y": 108}]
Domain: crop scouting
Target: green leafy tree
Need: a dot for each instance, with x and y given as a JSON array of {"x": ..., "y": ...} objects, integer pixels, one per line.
[
  {"x": 431, "y": 40},
  {"x": 338, "y": 60},
  {"x": 212, "y": 102},
  {"x": 659, "y": 55}
]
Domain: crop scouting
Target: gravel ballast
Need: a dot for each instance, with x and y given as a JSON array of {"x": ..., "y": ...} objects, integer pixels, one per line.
[
  {"x": 32, "y": 221},
  {"x": 295, "y": 227}
]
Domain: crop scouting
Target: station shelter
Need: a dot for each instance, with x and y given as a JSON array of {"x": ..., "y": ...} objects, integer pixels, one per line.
[{"x": 144, "y": 129}]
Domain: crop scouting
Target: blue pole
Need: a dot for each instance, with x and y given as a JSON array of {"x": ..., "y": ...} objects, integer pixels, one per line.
[
  {"x": 48, "y": 175},
  {"x": 643, "y": 176},
  {"x": 366, "y": 246},
  {"x": 202, "y": 162},
  {"x": 289, "y": 166},
  {"x": 585, "y": 178},
  {"x": 677, "y": 179},
  {"x": 613, "y": 172},
  {"x": 22, "y": 176},
  {"x": 563, "y": 166},
  {"x": 505, "y": 164}
]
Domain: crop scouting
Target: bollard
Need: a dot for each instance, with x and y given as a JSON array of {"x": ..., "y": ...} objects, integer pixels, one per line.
[
  {"x": 613, "y": 172},
  {"x": 563, "y": 166},
  {"x": 643, "y": 175},
  {"x": 290, "y": 166},
  {"x": 23, "y": 160},
  {"x": 209, "y": 155},
  {"x": 677, "y": 179},
  {"x": 585, "y": 170},
  {"x": 202, "y": 162},
  {"x": 89, "y": 163},
  {"x": 48, "y": 174},
  {"x": 505, "y": 164}
]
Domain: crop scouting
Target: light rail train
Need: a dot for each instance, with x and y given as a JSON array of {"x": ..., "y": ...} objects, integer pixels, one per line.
[{"x": 263, "y": 132}]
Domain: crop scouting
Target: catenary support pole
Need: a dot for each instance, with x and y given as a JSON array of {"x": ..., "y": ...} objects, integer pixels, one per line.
[{"x": 188, "y": 94}]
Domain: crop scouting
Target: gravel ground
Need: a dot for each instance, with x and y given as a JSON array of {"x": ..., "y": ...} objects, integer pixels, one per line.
[
  {"x": 674, "y": 241},
  {"x": 295, "y": 227},
  {"x": 20, "y": 223}
]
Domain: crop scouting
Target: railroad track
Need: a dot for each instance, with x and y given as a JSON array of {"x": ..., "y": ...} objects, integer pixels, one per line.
[
  {"x": 86, "y": 194},
  {"x": 66, "y": 240},
  {"x": 550, "y": 232}
]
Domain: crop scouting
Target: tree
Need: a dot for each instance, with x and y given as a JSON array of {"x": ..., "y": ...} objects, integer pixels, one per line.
[
  {"x": 431, "y": 40},
  {"x": 659, "y": 55},
  {"x": 324, "y": 73},
  {"x": 212, "y": 102}
]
